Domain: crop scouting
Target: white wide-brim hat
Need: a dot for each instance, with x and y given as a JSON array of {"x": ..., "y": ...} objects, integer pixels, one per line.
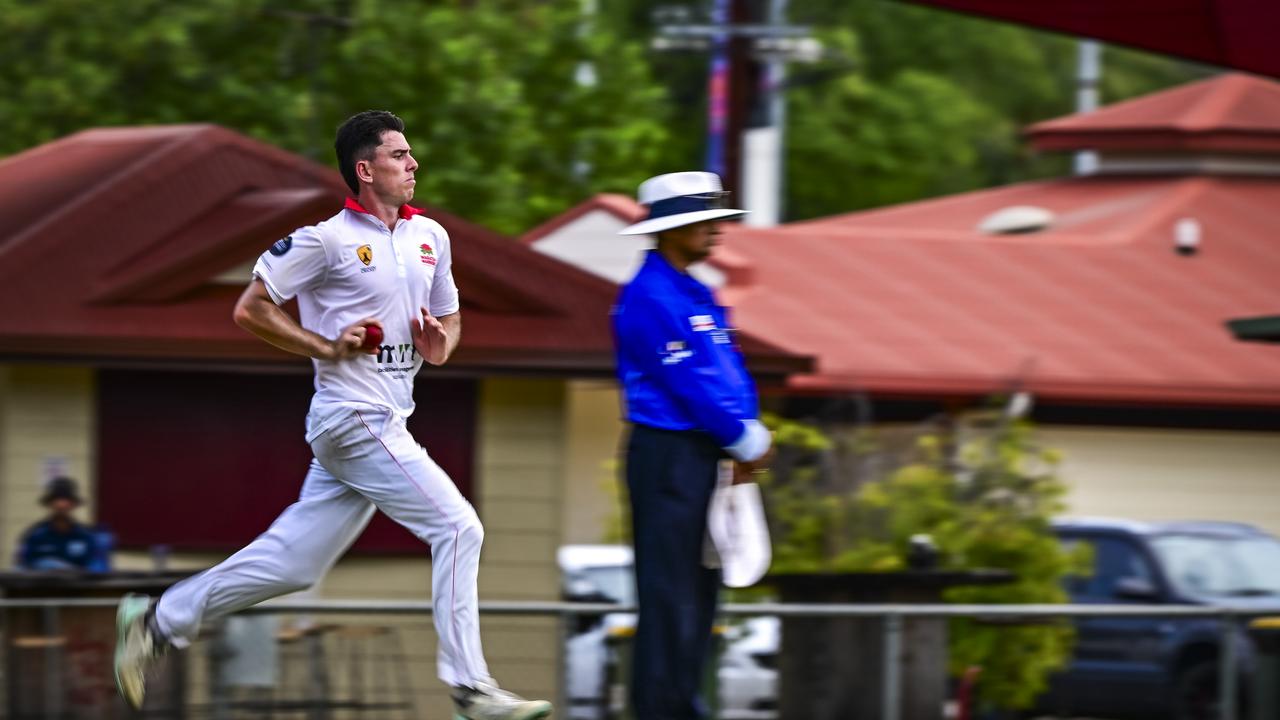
[{"x": 678, "y": 199}]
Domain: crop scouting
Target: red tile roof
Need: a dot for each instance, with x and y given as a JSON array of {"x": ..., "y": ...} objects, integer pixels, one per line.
[
  {"x": 1232, "y": 33},
  {"x": 915, "y": 301},
  {"x": 112, "y": 238},
  {"x": 912, "y": 300},
  {"x": 1228, "y": 113}
]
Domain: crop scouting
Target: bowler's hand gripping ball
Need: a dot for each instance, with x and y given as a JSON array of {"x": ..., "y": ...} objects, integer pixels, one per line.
[{"x": 372, "y": 337}]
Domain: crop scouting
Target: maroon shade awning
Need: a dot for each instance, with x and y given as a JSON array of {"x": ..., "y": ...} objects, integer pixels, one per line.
[{"x": 1231, "y": 33}]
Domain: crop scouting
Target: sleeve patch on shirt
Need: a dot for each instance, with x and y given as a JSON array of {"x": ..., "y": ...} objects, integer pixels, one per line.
[
  {"x": 702, "y": 323},
  {"x": 281, "y": 246}
]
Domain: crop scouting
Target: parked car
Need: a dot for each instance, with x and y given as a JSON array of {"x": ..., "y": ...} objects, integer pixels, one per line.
[
  {"x": 1122, "y": 668},
  {"x": 593, "y": 573},
  {"x": 1160, "y": 667},
  {"x": 747, "y": 673}
]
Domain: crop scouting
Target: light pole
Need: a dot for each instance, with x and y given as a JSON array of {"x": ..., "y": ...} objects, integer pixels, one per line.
[
  {"x": 1088, "y": 73},
  {"x": 761, "y": 151}
]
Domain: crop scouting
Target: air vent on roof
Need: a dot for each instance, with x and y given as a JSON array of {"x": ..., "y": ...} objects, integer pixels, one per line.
[
  {"x": 1016, "y": 219},
  {"x": 1186, "y": 236}
]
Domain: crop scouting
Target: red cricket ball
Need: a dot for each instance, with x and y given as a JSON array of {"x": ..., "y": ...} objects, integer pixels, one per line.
[{"x": 372, "y": 337}]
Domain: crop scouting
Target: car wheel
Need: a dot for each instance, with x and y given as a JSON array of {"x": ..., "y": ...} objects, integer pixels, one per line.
[{"x": 1196, "y": 694}]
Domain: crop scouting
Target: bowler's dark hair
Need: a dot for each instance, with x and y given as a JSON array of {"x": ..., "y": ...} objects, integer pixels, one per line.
[{"x": 357, "y": 139}]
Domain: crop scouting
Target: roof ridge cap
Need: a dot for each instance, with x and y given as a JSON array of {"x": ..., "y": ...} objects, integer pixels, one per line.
[
  {"x": 1189, "y": 188},
  {"x": 1211, "y": 110}
]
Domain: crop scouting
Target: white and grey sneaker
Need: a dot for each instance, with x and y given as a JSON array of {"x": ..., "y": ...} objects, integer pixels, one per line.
[
  {"x": 137, "y": 647},
  {"x": 487, "y": 701}
]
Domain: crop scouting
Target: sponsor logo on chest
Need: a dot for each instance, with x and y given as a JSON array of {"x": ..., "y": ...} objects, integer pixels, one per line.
[
  {"x": 365, "y": 254},
  {"x": 428, "y": 255}
]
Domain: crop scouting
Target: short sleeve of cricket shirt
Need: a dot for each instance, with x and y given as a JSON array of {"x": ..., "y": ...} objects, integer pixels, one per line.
[
  {"x": 293, "y": 264},
  {"x": 444, "y": 293}
]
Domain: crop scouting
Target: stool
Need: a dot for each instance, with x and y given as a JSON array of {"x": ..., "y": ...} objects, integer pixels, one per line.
[{"x": 39, "y": 679}]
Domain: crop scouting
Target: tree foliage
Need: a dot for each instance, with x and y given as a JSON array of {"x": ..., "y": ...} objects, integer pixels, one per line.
[
  {"x": 916, "y": 102},
  {"x": 910, "y": 102},
  {"x": 984, "y": 493},
  {"x": 504, "y": 126},
  {"x": 510, "y": 135},
  {"x": 855, "y": 143}
]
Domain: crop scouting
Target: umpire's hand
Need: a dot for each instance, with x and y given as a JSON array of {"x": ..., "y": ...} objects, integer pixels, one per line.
[{"x": 744, "y": 472}]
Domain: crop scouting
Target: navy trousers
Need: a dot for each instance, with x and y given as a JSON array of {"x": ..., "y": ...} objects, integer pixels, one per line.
[{"x": 670, "y": 478}]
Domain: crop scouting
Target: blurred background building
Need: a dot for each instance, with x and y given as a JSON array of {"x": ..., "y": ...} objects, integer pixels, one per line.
[
  {"x": 926, "y": 256},
  {"x": 1103, "y": 296}
]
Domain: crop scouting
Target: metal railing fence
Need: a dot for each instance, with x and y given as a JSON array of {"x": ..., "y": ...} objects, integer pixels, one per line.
[{"x": 1232, "y": 622}]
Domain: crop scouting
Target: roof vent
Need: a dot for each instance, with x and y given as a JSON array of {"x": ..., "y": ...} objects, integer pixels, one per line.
[
  {"x": 1016, "y": 219},
  {"x": 1186, "y": 236}
]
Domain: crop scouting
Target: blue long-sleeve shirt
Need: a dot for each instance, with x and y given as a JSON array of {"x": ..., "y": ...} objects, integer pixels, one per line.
[
  {"x": 43, "y": 547},
  {"x": 678, "y": 363}
]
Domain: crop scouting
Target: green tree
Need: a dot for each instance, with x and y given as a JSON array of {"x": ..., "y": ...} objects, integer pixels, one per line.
[
  {"x": 921, "y": 102},
  {"x": 985, "y": 494},
  {"x": 854, "y": 142},
  {"x": 67, "y": 65},
  {"x": 914, "y": 102},
  {"x": 506, "y": 133}
]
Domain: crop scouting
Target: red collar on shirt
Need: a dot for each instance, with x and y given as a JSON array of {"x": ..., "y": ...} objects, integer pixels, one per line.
[{"x": 406, "y": 211}]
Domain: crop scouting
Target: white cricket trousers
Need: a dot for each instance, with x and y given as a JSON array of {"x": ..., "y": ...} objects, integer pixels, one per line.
[{"x": 364, "y": 461}]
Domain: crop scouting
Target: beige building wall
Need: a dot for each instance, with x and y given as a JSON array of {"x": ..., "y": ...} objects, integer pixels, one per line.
[
  {"x": 1171, "y": 474},
  {"x": 595, "y": 430},
  {"x": 47, "y": 417},
  {"x": 521, "y": 467}
]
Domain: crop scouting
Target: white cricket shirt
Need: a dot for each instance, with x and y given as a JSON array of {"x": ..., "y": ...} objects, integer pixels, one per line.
[{"x": 350, "y": 267}]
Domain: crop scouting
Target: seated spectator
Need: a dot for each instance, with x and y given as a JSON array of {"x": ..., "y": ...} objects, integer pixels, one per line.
[{"x": 58, "y": 542}]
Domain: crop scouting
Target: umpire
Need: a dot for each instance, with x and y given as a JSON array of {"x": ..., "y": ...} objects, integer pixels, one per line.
[{"x": 691, "y": 403}]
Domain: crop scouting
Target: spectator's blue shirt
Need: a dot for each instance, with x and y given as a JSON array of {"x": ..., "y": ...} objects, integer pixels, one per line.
[
  {"x": 677, "y": 360},
  {"x": 44, "y": 548}
]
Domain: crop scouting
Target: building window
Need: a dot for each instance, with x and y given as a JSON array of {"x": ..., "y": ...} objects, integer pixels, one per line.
[{"x": 205, "y": 461}]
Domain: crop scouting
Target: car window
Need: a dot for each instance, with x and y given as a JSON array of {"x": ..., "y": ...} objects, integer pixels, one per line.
[
  {"x": 1114, "y": 559},
  {"x": 616, "y": 582},
  {"x": 1078, "y": 584},
  {"x": 1221, "y": 565}
]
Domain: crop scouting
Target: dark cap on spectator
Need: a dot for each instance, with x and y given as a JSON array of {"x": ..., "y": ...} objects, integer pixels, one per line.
[{"x": 61, "y": 488}]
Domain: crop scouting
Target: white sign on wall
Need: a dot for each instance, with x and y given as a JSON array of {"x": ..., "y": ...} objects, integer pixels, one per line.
[{"x": 54, "y": 466}]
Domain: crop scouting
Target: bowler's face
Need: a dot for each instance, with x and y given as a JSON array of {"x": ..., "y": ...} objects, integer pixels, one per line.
[
  {"x": 695, "y": 241},
  {"x": 393, "y": 169}
]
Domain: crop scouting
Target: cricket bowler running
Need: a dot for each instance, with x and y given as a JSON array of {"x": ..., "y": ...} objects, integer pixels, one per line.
[{"x": 378, "y": 267}]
